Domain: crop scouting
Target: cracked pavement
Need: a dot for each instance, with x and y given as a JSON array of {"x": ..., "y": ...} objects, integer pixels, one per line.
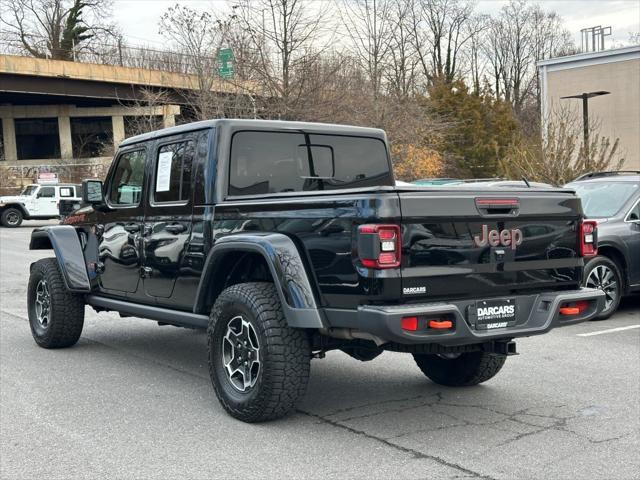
[{"x": 133, "y": 400}]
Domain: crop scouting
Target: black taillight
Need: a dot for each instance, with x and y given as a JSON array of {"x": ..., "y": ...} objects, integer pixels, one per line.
[
  {"x": 588, "y": 238},
  {"x": 379, "y": 246}
]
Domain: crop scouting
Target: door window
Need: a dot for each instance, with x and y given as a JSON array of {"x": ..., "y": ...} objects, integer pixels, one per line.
[
  {"x": 125, "y": 188},
  {"x": 172, "y": 181},
  {"x": 47, "y": 192}
]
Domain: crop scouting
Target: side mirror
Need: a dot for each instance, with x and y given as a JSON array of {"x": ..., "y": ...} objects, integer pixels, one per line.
[{"x": 92, "y": 193}]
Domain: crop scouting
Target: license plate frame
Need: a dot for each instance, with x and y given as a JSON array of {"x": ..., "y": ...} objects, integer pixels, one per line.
[{"x": 494, "y": 313}]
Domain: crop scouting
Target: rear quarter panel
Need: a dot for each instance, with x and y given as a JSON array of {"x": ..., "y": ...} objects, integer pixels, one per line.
[{"x": 324, "y": 228}]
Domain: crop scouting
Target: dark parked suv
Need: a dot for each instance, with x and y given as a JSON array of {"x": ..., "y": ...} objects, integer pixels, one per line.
[{"x": 613, "y": 199}]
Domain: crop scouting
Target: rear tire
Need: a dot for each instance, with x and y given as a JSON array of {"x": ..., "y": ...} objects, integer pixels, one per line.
[
  {"x": 465, "y": 370},
  {"x": 604, "y": 274},
  {"x": 56, "y": 316},
  {"x": 259, "y": 366},
  {"x": 11, "y": 217}
]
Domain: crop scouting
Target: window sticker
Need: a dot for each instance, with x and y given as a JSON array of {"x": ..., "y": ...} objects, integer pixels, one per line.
[
  {"x": 65, "y": 192},
  {"x": 163, "y": 178}
]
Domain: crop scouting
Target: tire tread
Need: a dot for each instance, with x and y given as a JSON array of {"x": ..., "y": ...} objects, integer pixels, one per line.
[
  {"x": 67, "y": 308},
  {"x": 285, "y": 369}
]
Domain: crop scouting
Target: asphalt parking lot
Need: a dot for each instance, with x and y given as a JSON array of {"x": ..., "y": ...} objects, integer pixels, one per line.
[{"x": 133, "y": 400}]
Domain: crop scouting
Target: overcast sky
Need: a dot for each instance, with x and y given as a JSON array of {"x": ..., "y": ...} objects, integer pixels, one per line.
[{"x": 139, "y": 18}]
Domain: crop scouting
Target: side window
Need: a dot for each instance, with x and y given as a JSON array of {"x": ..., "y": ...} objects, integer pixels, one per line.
[
  {"x": 172, "y": 180},
  {"x": 634, "y": 214},
  {"x": 66, "y": 192},
  {"x": 125, "y": 187},
  {"x": 264, "y": 162},
  {"x": 47, "y": 192}
]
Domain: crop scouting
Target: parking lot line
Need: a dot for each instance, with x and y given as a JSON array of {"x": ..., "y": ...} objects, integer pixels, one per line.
[{"x": 610, "y": 330}]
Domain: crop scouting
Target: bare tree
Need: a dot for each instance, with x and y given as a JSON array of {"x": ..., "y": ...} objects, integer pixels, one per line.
[
  {"x": 476, "y": 61},
  {"x": 520, "y": 36},
  {"x": 560, "y": 156},
  {"x": 150, "y": 99},
  {"x": 440, "y": 33},
  {"x": 403, "y": 63},
  {"x": 370, "y": 28},
  {"x": 57, "y": 29},
  {"x": 288, "y": 38},
  {"x": 196, "y": 34}
]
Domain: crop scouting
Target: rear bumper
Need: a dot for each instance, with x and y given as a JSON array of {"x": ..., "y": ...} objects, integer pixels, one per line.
[{"x": 536, "y": 314}]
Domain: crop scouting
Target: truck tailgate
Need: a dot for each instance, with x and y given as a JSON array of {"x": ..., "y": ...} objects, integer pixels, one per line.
[{"x": 459, "y": 244}]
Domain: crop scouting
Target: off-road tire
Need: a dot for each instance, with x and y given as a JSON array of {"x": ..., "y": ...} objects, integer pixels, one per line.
[
  {"x": 615, "y": 268},
  {"x": 467, "y": 369},
  {"x": 284, "y": 354},
  {"x": 66, "y": 314},
  {"x": 6, "y": 218}
]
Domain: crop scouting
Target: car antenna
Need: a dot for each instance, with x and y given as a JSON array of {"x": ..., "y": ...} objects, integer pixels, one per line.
[{"x": 524, "y": 179}]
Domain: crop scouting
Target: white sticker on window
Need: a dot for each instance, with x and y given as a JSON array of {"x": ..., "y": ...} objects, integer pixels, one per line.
[
  {"x": 65, "y": 192},
  {"x": 163, "y": 179}
]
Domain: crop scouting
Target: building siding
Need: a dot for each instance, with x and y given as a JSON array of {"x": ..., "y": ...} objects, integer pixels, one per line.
[{"x": 618, "y": 113}]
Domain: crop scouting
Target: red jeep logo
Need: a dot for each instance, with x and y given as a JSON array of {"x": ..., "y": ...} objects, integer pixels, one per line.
[{"x": 506, "y": 238}]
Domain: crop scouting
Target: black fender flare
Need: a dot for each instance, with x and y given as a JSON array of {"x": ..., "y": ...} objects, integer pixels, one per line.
[
  {"x": 286, "y": 267},
  {"x": 64, "y": 241}
]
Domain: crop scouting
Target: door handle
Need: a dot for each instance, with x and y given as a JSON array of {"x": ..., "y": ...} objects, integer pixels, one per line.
[
  {"x": 132, "y": 227},
  {"x": 175, "y": 228}
]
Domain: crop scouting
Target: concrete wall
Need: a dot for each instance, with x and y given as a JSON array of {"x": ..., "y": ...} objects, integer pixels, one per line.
[{"x": 618, "y": 113}]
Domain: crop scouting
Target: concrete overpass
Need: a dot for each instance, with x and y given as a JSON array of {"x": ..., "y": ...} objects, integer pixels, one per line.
[
  {"x": 27, "y": 79},
  {"x": 56, "y": 112}
]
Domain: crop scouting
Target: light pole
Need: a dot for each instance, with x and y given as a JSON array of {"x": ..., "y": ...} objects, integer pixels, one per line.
[{"x": 585, "y": 118}]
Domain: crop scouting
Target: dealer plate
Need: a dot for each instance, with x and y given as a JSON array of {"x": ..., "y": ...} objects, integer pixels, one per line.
[{"x": 496, "y": 313}]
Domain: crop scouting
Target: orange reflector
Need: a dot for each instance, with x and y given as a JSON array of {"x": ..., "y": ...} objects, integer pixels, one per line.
[
  {"x": 440, "y": 324},
  {"x": 569, "y": 311},
  {"x": 574, "y": 309},
  {"x": 409, "y": 323}
]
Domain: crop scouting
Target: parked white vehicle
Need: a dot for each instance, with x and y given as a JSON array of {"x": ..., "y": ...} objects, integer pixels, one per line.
[{"x": 35, "y": 202}]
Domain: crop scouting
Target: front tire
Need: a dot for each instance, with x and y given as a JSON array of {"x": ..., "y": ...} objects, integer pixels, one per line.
[
  {"x": 11, "y": 217},
  {"x": 463, "y": 370},
  {"x": 259, "y": 366},
  {"x": 604, "y": 274},
  {"x": 56, "y": 316}
]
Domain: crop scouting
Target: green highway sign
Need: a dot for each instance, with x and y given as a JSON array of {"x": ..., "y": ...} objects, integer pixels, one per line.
[{"x": 225, "y": 63}]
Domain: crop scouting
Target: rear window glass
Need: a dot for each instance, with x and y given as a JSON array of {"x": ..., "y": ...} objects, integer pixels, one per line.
[
  {"x": 275, "y": 162},
  {"x": 600, "y": 199}
]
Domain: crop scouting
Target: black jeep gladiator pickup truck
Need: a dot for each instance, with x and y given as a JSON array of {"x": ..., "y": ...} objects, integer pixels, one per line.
[{"x": 285, "y": 240}]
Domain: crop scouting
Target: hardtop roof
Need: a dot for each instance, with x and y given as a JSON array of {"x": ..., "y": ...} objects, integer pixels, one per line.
[{"x": 257, "y": 125}]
